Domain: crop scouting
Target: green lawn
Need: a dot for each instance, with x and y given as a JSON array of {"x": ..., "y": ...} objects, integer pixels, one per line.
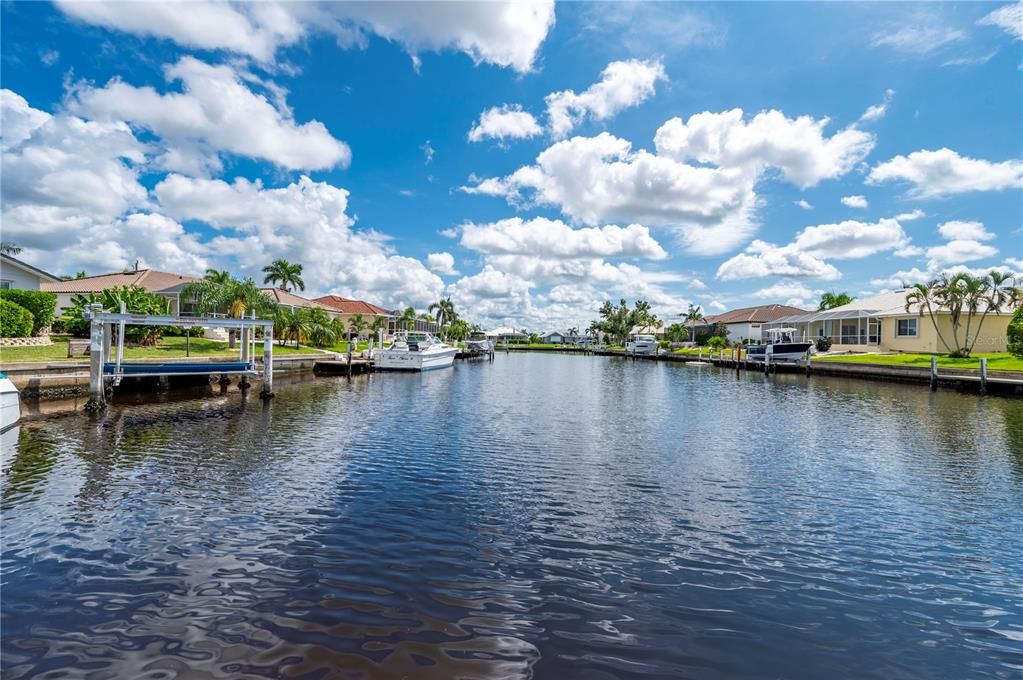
[
  {"x": 544, "y": 345},
  {"x": 342, "y": 346},
  {"x": 169, "y": 348},
  {"x": 1001, "y": 361}
]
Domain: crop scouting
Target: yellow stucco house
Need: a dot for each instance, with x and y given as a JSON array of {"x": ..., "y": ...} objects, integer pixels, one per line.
[{"x": 881, "y": 323}]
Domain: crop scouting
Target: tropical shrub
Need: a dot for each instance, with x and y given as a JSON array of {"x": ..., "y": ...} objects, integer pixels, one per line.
[
  {"x": 823, "y": 343},
  {"x": 1015, "y": 333},
  {"x": 15, "y": 320},
  {"x": 40, "y": 303},
  {"x": 137, "y": 300},
  {"x": 717, "y": 342}
]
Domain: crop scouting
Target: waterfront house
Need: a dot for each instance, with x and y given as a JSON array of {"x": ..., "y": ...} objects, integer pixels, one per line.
[
  {"x": 345, "y": 308},
  {"x": 553, "y": 338},
  {"x": 656, "y": 330},
  {"x": 505, "y": 334},
  {"x": 881, "y": 323},
  {"x": 747, "y": 323},
  {"x": 21, "y": 275},
  {"x": 165, "y": 284},
  {"x": 294, "y": 302}
]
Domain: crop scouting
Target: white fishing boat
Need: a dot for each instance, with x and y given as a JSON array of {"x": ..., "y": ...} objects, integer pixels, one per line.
[
  {"x": 415, "y": 352},
  {"x": 10, "y": 404},
  {"x": 781, "y": 347},
  {"x": 642, "y": 344}
]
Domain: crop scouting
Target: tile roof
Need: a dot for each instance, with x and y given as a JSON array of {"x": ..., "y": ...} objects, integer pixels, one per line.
[
  {"x": 760, "y": 314},
  {"x": 347, "y": 306},
  {"x": 291, "y": 300},
  {"x": 151, "y": 279}
]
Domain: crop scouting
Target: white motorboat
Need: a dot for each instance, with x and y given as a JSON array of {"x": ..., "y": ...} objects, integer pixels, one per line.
[
  {"x": 415, "y": 352},
  {"x": 10, "y": 404},
  {"x": 479, "y": 342},
  {"x": 781, "y": 347},
  {"x": 642, "y": 344}
]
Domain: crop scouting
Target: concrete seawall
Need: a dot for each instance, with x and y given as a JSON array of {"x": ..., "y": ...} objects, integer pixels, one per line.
[{"x": 38, "y": 381}]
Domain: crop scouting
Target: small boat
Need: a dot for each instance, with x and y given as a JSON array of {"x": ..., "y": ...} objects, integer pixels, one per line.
[
  {"x": 781, "y": 347},
  {"x": 415, "y": 352},
  {"x": 478, "y": 342},
  {"x": 10, "y": 404},
  {"x": 642, "y": 344}
]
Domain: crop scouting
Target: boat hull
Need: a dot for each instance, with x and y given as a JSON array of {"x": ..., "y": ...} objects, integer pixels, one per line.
[
  {"x": 782, "y": 351},
  {"x": 640, "y": 348},
  {"x": 389, "y": 360},
  {"x": 10, "y": 404}
]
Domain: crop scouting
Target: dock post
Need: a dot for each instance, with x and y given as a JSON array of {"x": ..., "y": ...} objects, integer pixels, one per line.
[
  {"x": 97, "y": 398},
  {"x": 983, "y": 375},
  {"x": 934, "y": 373},
  {"x": 268, "y": 363},
  {"x": 807, "y": 363},
  {"x": 349, "y": 360},
  {"x": 767, "y": 361}
]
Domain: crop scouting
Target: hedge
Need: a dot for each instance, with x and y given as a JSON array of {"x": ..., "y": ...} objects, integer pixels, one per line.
[
  {"x": 15, "y": 320},
  {"x": 1015, "y": 334},
  {"x": 41, "y": 304}
]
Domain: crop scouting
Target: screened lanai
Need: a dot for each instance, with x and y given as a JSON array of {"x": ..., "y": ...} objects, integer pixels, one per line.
[{"x": 842, "y": 326}]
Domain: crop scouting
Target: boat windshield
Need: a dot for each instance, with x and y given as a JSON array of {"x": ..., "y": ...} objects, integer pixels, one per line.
[{"x": 645, "y": 338}]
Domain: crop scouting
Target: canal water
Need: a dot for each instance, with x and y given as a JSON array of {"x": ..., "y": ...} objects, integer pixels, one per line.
[{"x": 543, "y": 516}]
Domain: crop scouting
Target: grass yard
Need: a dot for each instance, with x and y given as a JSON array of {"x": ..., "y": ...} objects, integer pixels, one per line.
[
  {"x": 168, "y": 348},
  {"x": 1001, "y": 361},
  {"x": 342, "y": 346}
]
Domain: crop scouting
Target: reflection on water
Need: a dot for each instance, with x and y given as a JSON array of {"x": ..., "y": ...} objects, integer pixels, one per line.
[{"x": 538, "y": 516}]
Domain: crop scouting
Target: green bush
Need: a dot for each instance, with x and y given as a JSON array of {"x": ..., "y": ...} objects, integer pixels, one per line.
[
  {"x": 823, "y": 343},
  {"x": 1015, "y": 333},
  {"x": 717, "y": 342},
  {"x": 15, "y": 320},
  {"x": 41, "y": 304}
]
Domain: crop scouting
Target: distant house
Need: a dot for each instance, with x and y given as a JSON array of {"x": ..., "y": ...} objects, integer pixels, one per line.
[
  {"x": 747, "y": 323},
  {"x": 292, "y": 301},
  {"x": 656, "y": 330},
  {"x": 21, "y": 275},
  {"x": 166, "y": 284},
  {"x": 505, "y": 334},
  {"x": 882, "y": 323},
  {"x": 345, "y": 308},
  {"x": 553, "y": 338}
]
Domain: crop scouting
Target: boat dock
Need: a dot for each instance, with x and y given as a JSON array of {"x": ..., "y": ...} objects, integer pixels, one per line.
[{"x": 983, "y": 381}]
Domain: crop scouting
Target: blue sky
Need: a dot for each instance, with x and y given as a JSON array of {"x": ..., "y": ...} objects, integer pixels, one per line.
[{"x": 614, "y": 161}]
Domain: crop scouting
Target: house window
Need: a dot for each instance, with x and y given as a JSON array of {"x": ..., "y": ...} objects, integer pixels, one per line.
[
  {"x": 905, "y": 328},
  {"x": 5, "y": 284}
]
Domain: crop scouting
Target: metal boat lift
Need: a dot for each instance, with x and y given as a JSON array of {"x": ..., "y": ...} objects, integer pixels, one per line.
[{"x": 107, "y": 361}]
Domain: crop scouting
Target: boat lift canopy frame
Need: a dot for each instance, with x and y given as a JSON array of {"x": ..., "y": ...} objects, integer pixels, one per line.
[{"x": 102, "y": 324}]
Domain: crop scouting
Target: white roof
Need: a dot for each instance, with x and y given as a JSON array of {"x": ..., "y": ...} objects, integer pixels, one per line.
[{"x": 502, "y": 331}]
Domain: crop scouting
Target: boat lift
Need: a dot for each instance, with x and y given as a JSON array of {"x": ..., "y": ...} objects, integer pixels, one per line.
[{"x": 107, "y": 362}]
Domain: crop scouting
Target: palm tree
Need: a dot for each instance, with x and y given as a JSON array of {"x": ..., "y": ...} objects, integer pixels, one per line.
[
  {"x": 960, "y": 294},
  {"x": 291, "y": 324},
  {"x": 356, "y": 325},
  {"x": 379, "y": 324},
  {"x": 692, "y": 317},
  {"x": 407, "y": 320},
  {"x": 218, "y": 276},
  {"x": 320, "y": 329},
  {"x": 233, "y": 298},
  {"x": 8, "y": 248},
  {"x": 445, "y": 311},
  {"x": 832, "y": 300},
  {"x": 286, "y": 273}
]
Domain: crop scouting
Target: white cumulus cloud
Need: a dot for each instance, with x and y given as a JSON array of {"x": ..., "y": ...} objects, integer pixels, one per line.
[
  {"x": 945, "y": 172},
  {"x": 505, "y": 33},
  {"x": 854, "y": 201},
  {"x": 503, "y": 123},
  {"x": 441, "y": 263},
  {"x": 215, "y": 113},
  {"x": 623, "y": 84}
]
